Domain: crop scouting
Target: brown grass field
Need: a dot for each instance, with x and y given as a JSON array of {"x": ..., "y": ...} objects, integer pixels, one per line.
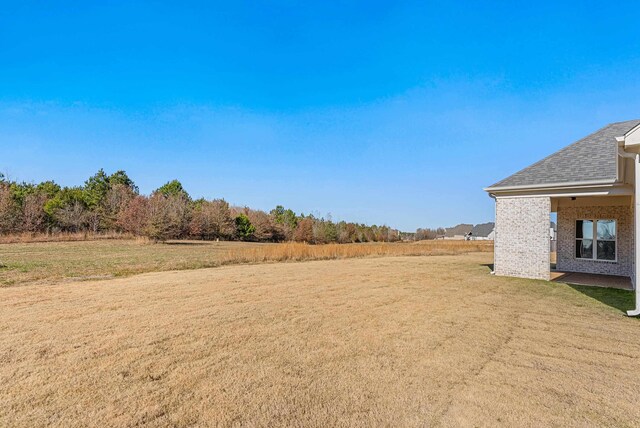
[
  {"x": 373, "y": 341},
  {"x": 44, "y": 262}
]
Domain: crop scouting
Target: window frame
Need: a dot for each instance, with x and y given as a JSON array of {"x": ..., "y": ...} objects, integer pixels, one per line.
[{"x": 595, "y": 240}]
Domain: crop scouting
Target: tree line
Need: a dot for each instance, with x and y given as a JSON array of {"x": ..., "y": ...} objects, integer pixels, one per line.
[
  {"x": 428, "y": 233},
  {"x": 113, "y": 203}
]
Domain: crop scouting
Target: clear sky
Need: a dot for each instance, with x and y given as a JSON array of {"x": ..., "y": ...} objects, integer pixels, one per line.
[{"x": 393, "y": 113}]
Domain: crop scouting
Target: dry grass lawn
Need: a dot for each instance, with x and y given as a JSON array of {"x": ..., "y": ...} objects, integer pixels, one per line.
[{"x": 395, "y": 341}]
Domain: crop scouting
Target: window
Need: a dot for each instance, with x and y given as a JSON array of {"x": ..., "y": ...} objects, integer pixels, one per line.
[{"x": 596, "y": 239}]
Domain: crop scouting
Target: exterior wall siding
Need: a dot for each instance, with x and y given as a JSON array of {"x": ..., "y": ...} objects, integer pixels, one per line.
[
  {"x": 522, "y": 237},
  {"x": 567, "y": 217}
]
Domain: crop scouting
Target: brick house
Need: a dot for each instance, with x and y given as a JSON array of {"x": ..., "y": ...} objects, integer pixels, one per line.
[{"x": 593, "y": 185}]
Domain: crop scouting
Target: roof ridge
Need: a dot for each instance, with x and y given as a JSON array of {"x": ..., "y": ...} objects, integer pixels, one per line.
[{"x": 624, "y": 121}]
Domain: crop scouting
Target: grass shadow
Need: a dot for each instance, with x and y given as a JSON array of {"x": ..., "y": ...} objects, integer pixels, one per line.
[
  {"x": 488, "y": 265},
  {"x": 622, "y": 300},
  {"x": 190, "y": 243}
]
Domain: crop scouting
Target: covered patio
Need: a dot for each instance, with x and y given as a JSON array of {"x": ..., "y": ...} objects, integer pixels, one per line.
[
  {"x": 595, "y": 244},
  {"x": 592, "y": 280}
]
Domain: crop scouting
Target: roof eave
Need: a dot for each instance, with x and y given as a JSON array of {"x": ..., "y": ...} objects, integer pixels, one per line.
[{"x": 553, "y": 186}]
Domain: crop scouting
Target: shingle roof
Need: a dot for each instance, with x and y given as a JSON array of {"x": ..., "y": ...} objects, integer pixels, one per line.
[
  {"x": 459, "y": 230},
  {"x": 592, "y": 158},
  {"x": 482, "y": 230}
]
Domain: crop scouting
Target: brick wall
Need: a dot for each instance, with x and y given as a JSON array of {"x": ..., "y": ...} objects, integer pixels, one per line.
[
  {"x": 522, "y": 237},
  {"x": 567, "y": 261}
]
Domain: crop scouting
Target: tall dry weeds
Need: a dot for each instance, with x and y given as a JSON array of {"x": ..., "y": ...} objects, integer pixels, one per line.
[{"x": 294, "y": 251}]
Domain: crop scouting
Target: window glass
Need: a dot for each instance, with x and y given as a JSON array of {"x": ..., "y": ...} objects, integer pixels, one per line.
[
  {"x": 606, "y": 250},
  {"x": 606, "y": 230},
  {"x": 584, "y": 249},
  {"x": 584, "y": 229}
]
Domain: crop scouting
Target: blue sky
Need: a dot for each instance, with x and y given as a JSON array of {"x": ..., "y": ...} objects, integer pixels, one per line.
[{"x": 393, "y": 113}]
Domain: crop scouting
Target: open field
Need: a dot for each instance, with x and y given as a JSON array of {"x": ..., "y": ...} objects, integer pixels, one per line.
[
  {"x": 22, "y": 263},
  {"x": 392, "y": 341}
]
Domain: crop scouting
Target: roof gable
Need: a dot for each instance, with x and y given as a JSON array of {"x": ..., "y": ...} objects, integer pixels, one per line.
[
  {"x": 593, "y": 158},
  {"x": 482, "y": 230}
]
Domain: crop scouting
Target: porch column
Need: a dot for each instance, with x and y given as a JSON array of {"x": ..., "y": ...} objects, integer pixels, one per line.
[
  {"x": 522, "y": 237},
  {"x": 636, "y": 241}
]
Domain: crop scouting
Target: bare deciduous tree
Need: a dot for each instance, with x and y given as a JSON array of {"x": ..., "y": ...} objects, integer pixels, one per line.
[
  {"x": 134, "y": 216},
  {"x": 266, "y": 229},
  {"x": 72, "y": 217},
  {"x": 33, "y": 215},
  {"x": 116, "y": 199},
  {"x": 9, "y": 210},
  {"x": 212, "y": 220},
  {"x": 304, "y": 231},
  {"x": 168, "y": 216}
]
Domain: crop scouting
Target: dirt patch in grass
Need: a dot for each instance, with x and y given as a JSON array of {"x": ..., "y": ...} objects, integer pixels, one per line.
[
  {"x": 393, "y": 341},
  {"x": 48, "y": 262}
]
